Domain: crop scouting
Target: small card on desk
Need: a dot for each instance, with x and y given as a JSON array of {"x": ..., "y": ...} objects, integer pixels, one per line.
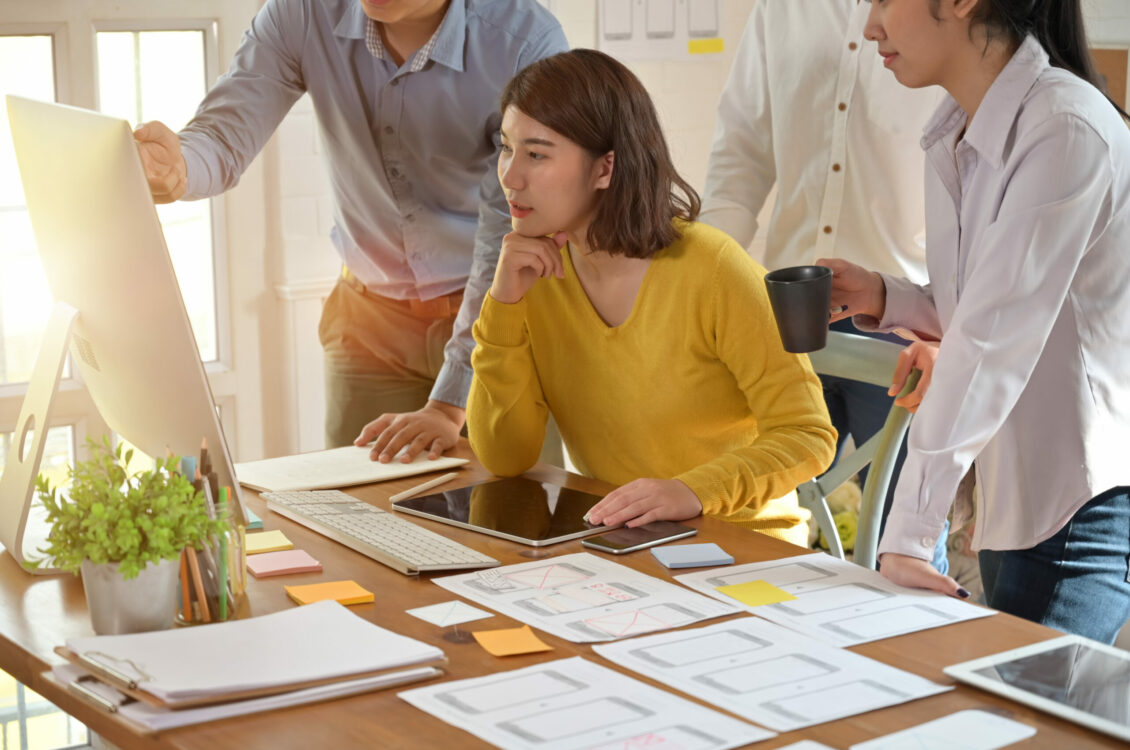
[
  {"x": 692, "y": 555},
  {"x": 282, "y": 563},
  {"x": 267, "y": 541},
  {"x": 343, "y": 592}
]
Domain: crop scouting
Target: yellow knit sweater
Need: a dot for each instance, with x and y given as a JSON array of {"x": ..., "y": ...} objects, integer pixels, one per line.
[{"x": 694, "y": 385}]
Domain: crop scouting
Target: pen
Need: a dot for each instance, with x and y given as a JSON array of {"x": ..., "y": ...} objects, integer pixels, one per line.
[
  {"x": 185, "y": 594},
  {"x": 425, "y": 486},
  {"x": 222, "y": 563}
]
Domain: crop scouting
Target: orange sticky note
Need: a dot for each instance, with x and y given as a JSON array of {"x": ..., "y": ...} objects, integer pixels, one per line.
[
  {"x": 267, "y": 541},
  {"x": 756, "y": 593},
  {"x": 344, "y": 592},
  {"x": 510, "y": 641}
]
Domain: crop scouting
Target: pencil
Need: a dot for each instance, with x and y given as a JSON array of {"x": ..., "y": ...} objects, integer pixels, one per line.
[
  {"x": 198, "y": 584},
  {"x": 185, "y": 594},
  {"x": 424, "y": 486}
]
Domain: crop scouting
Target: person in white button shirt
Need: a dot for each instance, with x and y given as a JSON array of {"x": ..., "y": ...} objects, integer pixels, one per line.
[
  {"x": 809, "y": 108},
  {"x": 1028, "y": 249}
]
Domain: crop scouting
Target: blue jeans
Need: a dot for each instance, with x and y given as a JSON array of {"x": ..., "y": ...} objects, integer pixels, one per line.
[
  {"x": 860, "y": 410},
  {"x": 1076, "y": 581}
]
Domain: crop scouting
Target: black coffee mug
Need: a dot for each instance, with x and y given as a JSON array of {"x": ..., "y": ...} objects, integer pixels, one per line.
[{"x": 801, "y": 297}]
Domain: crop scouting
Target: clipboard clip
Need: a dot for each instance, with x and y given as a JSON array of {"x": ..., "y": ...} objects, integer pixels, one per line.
[{"x": 90, "y": 696}]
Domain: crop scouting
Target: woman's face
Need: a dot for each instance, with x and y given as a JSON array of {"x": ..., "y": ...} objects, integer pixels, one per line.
[
  {"x": 551, "y": 183},
  {"x": 914, "y": 45}
]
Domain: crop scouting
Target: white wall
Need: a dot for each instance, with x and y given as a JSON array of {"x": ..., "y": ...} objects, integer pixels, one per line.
[{"x": 301, "y": 261}]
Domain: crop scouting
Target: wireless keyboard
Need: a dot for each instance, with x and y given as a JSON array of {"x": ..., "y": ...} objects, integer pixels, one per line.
[{"x": 388, "y": 539}]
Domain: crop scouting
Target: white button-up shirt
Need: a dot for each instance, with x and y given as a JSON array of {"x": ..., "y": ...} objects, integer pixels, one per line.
[
  {"x": 1028, "y": 249},
  {"x": 810, "y": 108}
]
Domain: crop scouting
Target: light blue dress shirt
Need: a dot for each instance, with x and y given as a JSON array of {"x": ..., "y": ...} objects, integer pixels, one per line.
[
  {"x": 412, "y": 150},
  {"x": 1028, "y": 249}
]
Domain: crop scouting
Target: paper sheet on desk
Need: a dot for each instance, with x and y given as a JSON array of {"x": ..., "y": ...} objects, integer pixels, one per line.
[
  {"x": 836, "y": 601},
  {"x": 573, "y": 703},
  {"x": 768, "y": 674},
  {"x": 584, "y": 598},
  {"x": 329, "y": 469}
]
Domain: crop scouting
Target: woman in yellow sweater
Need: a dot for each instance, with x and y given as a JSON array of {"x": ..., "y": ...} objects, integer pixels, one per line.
[{"x": 647, "y": 336}]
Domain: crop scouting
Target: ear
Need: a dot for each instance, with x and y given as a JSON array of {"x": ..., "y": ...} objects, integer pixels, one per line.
[
  {"x": 602, "y": 171},
  {"x": 963, "y": 9}
]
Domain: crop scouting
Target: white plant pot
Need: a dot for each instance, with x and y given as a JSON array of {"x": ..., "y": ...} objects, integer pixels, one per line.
[{"x": 140, "y": 604}]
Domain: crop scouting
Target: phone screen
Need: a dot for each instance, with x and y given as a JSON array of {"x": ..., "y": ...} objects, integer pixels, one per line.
[{"x": 629, "y": 540}]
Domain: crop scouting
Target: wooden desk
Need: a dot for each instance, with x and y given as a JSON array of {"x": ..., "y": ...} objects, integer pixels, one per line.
[{"x": 37, "y": 614}]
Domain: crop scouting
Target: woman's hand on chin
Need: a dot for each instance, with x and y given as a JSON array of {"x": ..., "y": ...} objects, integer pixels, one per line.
[{"x": 522, "y": 261}]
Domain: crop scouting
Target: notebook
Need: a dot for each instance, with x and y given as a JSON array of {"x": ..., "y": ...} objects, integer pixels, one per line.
[{"x": 330, "y": 469}]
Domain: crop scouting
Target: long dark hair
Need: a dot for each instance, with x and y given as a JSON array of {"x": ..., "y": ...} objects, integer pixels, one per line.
[
  {"x": 1057, "y": 26},
  {"x": 599, "y": 104}
]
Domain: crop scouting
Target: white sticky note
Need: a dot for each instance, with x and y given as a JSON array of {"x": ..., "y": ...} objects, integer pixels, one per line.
[
  {"x": 806, "y": 745},
  {"x": 969, "y": 730},
  {"x": 450, "y": 613}
]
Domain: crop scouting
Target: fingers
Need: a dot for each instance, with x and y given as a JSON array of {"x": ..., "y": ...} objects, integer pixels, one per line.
[
  {"x": 915, "y": 573},
  {"x": 374, "y": 428},
  {"x": 902, "y": 369}
]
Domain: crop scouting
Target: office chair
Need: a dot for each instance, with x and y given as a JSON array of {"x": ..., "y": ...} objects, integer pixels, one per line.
[{"x": 869, "y": 361}]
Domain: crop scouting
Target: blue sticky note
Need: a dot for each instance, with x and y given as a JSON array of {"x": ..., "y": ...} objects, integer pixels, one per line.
[
  {"x": 692, "y": 555},
  {"x": 255, "y": 522}
]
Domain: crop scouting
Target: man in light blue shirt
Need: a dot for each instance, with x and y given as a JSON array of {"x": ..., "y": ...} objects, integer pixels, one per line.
[{"x": 406, "y": 94}]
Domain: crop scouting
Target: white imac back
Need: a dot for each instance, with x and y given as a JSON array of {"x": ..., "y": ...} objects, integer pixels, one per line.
[{"x": 105, "y": 255}]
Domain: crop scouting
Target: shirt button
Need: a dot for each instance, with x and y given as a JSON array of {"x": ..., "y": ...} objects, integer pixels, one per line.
[
  {"x": 841, "y": 106},
  {"x": 389, "y": 130},
  {"x": 927, "y": 541},
  {"x": 411, "y": 218},
  {"x": 394, "y": 172},
  {"x": 852, "y": 46},
  {"x": 827, "y": 230},
  {"x": 835, "y": 167},
  {"x": 394, "y": 82}
]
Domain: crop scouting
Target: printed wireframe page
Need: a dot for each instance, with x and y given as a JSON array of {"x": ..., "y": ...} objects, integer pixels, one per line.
[
  {"x": 584, "y": 598},
  {"x": 768, "y": 674},
  {"x": 572, "y": 704},
  {"x": 837, "y": 601}
]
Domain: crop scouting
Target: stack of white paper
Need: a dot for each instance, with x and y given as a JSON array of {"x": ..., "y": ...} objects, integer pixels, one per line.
[
  {"x": 337, "y": 467},
  {"x": 322, "y": 641}
]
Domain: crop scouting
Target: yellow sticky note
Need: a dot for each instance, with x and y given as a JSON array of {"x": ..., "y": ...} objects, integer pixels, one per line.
[
  {"x": 756, "y": 593},
  {"x": 510, "y": 641},
  {"x": 343, "y": 592},
  {"x": 268, "y": 541},
  {"x": 706, "y": 46}
]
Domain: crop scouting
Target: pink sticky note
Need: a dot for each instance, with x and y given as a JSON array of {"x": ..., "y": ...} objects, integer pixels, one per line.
[{"x": 282, "y": 563}]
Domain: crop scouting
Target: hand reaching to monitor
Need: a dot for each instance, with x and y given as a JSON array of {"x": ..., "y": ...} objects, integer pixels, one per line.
[
  {"x": 919, "y": 355},
  {"x": 434, "y": 428},
  {"x": 163, "y": 161},
  {"x": 855, "y": 290},
  {"x": 644, "y": 501},
  {"x": 522, "y": 261}
]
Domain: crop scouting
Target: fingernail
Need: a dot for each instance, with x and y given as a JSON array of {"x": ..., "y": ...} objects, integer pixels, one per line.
[{"x": 962, "y": 593}]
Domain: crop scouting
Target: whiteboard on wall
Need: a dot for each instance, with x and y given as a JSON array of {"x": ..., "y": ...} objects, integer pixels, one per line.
[{"x": 659, "y": 29}]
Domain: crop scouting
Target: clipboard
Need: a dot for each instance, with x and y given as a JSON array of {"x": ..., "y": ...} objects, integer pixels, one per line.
[{"x": 129, "y": 687}]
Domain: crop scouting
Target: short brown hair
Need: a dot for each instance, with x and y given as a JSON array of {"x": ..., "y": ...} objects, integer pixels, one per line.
[{"x": 596, "y": 102}]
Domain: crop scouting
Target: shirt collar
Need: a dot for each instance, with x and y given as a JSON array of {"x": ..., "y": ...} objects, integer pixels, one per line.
[
  {"x": 445, "y": 46},
  {"x": 990, "y": 129}
]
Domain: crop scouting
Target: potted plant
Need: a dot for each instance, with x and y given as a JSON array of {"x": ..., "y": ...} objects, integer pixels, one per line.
[{"x": 125, "y": 532}]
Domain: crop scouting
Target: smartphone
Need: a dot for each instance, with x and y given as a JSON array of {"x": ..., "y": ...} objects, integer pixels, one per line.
[{"x": 623, "y": 541}]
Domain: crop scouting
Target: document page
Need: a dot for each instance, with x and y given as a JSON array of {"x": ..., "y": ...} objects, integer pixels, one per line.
[
  {"x": 329, "y": 469},
  {"x": 767, "y": 674},
  {"x": 584, "y": 598},
  {"x": 837, "y": 601},
  {"x": 572, "y": 704}
]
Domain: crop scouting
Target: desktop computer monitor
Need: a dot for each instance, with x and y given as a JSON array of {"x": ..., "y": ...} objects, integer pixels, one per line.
[{"x": 105, "y": 257}]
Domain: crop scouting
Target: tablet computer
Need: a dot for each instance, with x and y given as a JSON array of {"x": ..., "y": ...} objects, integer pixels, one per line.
[
  {"x": 1072, "y": 677},
  {"x": 519, "y": 509}
]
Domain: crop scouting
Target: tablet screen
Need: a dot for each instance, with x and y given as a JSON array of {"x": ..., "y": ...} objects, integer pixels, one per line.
[
  {"x": 1076, "y": 675},
  {"x": 516, "y": 508}
]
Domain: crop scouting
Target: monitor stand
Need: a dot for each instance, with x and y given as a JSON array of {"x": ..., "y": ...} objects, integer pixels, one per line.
[{"x": 17, "y": 483}]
